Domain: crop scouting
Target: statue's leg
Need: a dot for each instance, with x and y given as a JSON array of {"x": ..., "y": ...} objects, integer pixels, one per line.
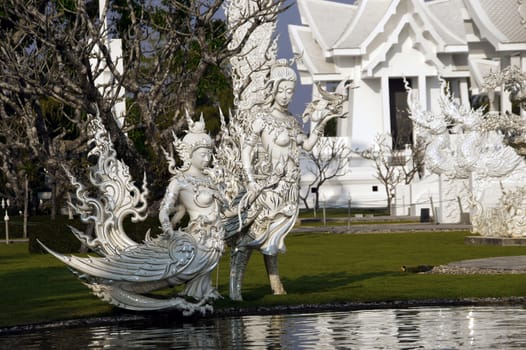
[
  {"x": 271, "y": 264},
  {"x": 238, "y": 263}
]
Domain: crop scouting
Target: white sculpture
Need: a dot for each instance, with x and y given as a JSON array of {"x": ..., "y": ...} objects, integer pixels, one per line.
[
  {"x": 127, "y": 270},
  {"x": 270, "y": 160},
  {"x": 265, "y": 138},
  {"x": 466, "y": 145},
  {"x": 249, "y": 197}
]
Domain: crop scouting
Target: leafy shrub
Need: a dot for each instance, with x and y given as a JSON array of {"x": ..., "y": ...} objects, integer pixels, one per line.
[{"x": 57, "y": 235}]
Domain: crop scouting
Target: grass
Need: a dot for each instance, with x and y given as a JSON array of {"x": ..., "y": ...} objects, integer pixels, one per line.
[
  {"x": 344, "y": 222},
  {"x": 318, "y": 268},
  {"x": 343, "y": 212}
]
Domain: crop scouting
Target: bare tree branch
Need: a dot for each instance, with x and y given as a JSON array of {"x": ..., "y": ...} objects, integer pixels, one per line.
[
  {"x": 394, "y": 167},
  {"x": 329, "y": 159},
  {"x": 63, "y": 52}
]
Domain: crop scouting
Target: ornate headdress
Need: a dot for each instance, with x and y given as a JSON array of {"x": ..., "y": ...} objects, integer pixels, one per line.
[
  {"x": 280, "y": 71},
  {"x": 195, "y": 138}
]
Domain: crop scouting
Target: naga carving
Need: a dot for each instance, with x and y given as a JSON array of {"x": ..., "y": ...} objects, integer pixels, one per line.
[{"x": 470, "y": 146}]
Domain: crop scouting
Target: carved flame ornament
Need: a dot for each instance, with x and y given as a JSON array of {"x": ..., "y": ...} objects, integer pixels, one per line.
[{"x": 126, "y": 270}]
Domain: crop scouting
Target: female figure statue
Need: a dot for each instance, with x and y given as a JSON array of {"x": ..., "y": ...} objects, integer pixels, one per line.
[
  {"x": 191, "y": 193},
  {"x": 127, "y": 271},
  {"x": 270, "y": 158}
]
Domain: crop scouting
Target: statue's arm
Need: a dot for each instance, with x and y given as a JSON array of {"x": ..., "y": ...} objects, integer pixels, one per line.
[
  {"x": 308, "y": 142},
  {"x": 248, "y": 150},
  {"x": 169, "y": 206}
]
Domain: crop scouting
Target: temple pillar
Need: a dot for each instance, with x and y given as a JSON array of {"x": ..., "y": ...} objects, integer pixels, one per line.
[
  {"x": 386, "y": 108},
  {"x": 505, "y": 103},
  {"x": 345, "y": 124},
  {"x": 523, "y": 68},
  {"x": 464, "y": 92},
  {"x": 422, "y": 91}
]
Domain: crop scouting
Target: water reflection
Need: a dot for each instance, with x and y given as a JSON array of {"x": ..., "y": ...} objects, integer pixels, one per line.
[{"x": 414, "y": 328}]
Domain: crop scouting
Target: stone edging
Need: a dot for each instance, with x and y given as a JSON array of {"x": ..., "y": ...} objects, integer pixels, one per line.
[
  {"x": 153, "y": 317},
  {"x": 458, "y": 270}
]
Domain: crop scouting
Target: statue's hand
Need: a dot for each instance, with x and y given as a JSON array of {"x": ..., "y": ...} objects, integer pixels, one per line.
[
  {"x": 253, "y": 188},
  {"x": 168, "y": 231},
  {"x": 330, "y": 104},
  {"x": 321, "y": 112}
]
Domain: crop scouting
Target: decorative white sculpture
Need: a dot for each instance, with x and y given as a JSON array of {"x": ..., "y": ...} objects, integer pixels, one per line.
[
  {"x": 467, "y": 145},
  {"x": 127, "y": 270},
  {"x": 266, "y": 138},
  {"x": 270, "y": 160},
  {"x": 249, "y": 197}
]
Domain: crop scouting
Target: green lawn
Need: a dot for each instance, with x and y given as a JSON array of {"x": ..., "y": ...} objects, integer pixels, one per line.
[{"x": 318, "y": 268}]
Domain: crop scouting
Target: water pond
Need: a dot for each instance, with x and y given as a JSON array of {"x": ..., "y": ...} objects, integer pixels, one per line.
[{"x": 410, "y": 328}]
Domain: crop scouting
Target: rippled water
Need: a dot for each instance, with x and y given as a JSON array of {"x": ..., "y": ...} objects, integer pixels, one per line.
[{"x": 413, "y": 328}]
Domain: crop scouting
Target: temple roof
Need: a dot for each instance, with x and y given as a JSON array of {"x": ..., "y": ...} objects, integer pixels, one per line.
[
  {"x": 304, "y": 45},
  {"x": 369, "y": 16},
  {"x": 326, "y": 19},
  {"x": 446, "y": 17},
  {"x": 499, "y": 22},
  {"x": 349, "y": 29}
]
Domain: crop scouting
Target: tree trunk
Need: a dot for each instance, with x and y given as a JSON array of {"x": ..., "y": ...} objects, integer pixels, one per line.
[
  {"x": 26, "y": 205},
  {"x": 305, "y": 202},
  {"x": 53, "y": 200},
  {"x": 390, "y": 205}
]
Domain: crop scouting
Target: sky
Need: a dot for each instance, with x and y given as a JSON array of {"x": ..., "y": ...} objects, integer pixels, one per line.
[
  {"x": 303, "y": 92},
  {"x": 291, "y": 16}
]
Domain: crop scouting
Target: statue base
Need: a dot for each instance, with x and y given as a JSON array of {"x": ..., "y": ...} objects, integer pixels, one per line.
[{"x": 497, "y": 241}]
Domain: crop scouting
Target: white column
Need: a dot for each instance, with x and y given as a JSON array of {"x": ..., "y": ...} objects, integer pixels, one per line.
[
  {"x": 422, "y": 91},
  {"x": 523, "y": 67},
  {"x": 345, "y": 125},
  {"x": 505, "y": 103},
  {"x": 464, "y": 91},
  {"x": 102, "y": 6},
  {"x": 386, "y": 108}
]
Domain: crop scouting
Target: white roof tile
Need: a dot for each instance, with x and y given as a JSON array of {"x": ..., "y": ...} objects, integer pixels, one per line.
[
  {"x": 368, "y": 15},
  {"x": 327, "y": 19},
  {"x": 505, "y": 16},
  {"x": 447, "y": 19},
  {"x": 312, "y": 54}
]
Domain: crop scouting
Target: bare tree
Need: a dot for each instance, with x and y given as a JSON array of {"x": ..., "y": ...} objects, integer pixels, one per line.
[
  {"x": 394, "y": 167},
  {"x": 60, "y": 51},
  {"x": 329, "y": 159},
  {"x": 31, "y": 145}
]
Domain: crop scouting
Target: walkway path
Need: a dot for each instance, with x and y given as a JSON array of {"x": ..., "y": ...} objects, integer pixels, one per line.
[
  {"x": 382, "y": 227},
  {"x": 496, "y": 265},
  {"x": 504, "y": 264}
]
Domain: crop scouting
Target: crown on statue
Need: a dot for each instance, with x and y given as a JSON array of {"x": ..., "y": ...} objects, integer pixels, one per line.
[
  {"x": 196, "y": 136},
  {"x": 282, "y": 70}
]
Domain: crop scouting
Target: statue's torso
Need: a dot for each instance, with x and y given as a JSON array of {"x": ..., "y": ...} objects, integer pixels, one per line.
[
  {"x": 199, "y": 198},
  {"x": 279, "y": 140}
]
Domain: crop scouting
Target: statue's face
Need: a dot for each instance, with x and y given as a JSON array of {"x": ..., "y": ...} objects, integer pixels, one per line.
[
  {"x": 201, "y": 158},
  {"x": 284, "y": 93}
]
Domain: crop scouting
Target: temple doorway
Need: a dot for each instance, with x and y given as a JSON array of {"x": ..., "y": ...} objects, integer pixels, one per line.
[{"x": 401, "y": 125}]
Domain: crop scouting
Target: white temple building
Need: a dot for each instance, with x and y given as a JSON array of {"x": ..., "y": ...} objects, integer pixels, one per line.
[{"x": 378, "y": 43}]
